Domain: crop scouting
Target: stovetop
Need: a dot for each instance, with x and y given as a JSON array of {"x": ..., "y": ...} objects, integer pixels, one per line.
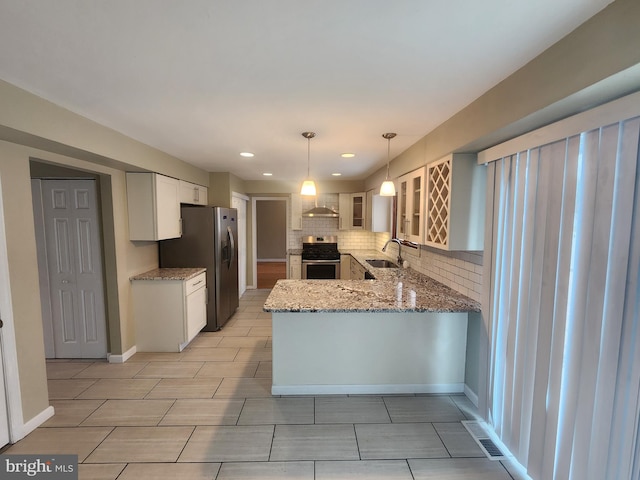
[{"x": 320, "y": 248}]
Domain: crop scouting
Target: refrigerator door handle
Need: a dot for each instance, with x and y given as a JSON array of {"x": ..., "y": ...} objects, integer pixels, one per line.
[{"x": 232, "y": 243}]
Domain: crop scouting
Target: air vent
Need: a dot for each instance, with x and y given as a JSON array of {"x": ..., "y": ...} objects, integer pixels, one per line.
[{"x": 480, "y": 435}]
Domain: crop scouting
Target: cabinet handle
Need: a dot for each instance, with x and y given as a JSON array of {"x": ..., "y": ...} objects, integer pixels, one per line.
[{"x": 197, "y": 283}]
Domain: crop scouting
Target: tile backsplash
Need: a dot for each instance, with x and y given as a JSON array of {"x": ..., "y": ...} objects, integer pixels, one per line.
[{"x": 461, "y": 271}]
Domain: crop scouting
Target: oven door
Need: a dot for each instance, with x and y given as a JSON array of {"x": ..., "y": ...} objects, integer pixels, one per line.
[{"x": 320, "y": 270}]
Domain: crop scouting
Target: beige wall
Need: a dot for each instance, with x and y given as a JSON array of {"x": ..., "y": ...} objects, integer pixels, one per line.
[
  {"x": 23, "y": 275},
  {"x": 221, "y": 187},
  {"x": 123, "y": 259},
  {"x": 30, "y": 120},
  {"x": 31, "y": 127},
  {"x": 578, "y": 72}
]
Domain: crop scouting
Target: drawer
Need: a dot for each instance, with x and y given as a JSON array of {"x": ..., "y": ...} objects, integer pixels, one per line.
[{"x": 196, "y": 283}]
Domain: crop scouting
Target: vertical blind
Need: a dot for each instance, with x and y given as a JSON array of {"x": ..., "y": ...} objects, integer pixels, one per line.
[{"x": 563, "y": 317}]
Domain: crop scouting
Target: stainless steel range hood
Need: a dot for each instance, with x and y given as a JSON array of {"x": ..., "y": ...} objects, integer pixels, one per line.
[{"x": 325, "y": 212}]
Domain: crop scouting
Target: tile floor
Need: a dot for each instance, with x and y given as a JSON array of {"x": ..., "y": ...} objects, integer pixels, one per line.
[{"x": 207, "y": 413}]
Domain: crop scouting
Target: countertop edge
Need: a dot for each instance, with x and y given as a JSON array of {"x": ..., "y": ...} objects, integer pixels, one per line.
[{"x": 164, "y": 274}]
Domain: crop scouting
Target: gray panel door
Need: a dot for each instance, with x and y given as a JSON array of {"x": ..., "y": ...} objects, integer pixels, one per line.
[{"x": 74, "y": 262}]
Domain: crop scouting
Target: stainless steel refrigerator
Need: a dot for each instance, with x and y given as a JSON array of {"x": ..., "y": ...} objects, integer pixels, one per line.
[{"x": 208, "y": 240}]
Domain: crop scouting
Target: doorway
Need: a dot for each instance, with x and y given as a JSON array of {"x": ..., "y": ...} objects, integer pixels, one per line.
[
  {"x": 239, "y": 202},
  {"x": 270, "y": 221},
  {"x": 70, "y": 263}
]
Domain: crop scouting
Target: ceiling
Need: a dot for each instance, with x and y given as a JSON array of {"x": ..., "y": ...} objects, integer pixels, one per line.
[{"x": 204, "y": 80}]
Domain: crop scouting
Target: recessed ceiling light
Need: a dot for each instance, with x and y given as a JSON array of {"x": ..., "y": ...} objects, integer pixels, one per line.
[
  {"x": 348, "y": 155},
  {"x": 246, "y": 154},
  {"x": 336, "y": 174},
  {"x": 267, "y": 174}
]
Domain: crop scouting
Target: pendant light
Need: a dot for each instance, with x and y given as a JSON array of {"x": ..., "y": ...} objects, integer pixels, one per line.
[
  {"x": 308, "y": 186},
  {"x": 388, "y": 189}
]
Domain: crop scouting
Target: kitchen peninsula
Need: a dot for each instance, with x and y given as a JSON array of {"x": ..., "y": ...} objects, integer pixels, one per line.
[{"x": 400, "y": 333}]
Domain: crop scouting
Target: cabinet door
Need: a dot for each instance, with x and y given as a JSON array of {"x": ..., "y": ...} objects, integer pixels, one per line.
[
  {"x": 196, "y": 312},
  {"x": 358, "y": 208},
  {"x": 153, "y": 205},
  {"x": 295, "y": 267},
  {"x": 344, "y": 206},
  {"x": 352, "y": 211},
  {"x": 345, "y": 267},
  {"x": 403, "y": 207},
  {"x": 438, "y": 203},
  {"x": 379, "y": 212},
  {"x": 192, "y": 194},
  {"x": 296, "y": 211},
  {"x": 416, "y": 223},
  {"x": 410, "y": 218},
  {"x": 357, "y": 270},
  {"x": 167, "y": 207},
  {"x": 203, "y": 195}
]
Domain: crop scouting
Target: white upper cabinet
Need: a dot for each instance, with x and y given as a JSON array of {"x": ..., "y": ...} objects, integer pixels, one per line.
[
  {"x": 379, "y": 212},
  {"x": 154, "y": 206},
  {"x": 410, "y": 220},
  {"x": 455, "y": 203},
  {"x": 296, "y": 211},
  {"x": 193, "y": 194},
  {"x": 352, "y": 211}
]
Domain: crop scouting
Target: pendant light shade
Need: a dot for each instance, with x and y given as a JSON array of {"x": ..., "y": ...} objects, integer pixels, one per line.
[
  {"x": 388, "y": 188},
  {"x": 308, "y": 186}
]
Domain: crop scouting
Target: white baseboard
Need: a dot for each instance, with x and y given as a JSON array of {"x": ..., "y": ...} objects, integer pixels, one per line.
[
  {"x": 471, "y": 395},
  {"x": 122, "y": 358},
  {"x": 32, "y": 424},
  {"x": 366, "y": 389}
]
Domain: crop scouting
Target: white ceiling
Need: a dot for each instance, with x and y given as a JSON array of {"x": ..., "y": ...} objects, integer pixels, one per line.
[{"x": 204, "y": 80}]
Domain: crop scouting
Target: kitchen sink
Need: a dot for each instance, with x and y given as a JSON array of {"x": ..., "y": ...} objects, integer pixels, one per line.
[{"x": 381, "y": 263}]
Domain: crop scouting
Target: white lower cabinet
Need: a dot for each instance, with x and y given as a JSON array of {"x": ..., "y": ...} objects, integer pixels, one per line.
[
  {"x": 345, "y": 267},
  {"x": 295, "y": 267},
  {"x": 357, "y": 270},
  {"x": 168, "y": 313}
]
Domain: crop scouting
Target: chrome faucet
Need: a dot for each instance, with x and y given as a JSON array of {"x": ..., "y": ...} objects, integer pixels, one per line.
[{"x": 395, "y": 240}]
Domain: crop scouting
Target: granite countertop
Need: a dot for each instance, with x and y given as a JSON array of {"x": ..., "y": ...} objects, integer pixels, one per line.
[
  {"x": 170, "y": 274},
  {"x": 393, "y": 290},
  {"x": 294, "y": 251}
]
